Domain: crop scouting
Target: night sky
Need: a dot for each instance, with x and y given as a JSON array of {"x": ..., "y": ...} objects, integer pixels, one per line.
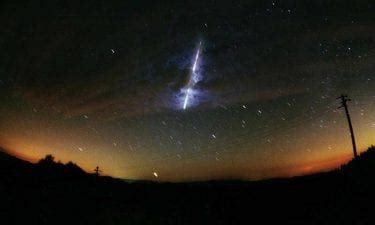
[{"x": 103, "y": 84}]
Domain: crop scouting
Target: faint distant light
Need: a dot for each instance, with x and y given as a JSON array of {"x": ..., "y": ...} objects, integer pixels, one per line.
[
  {"x": 213, "y": 136},
  {"x": 155, "y": 174},
  {"x": 244, "y": 106},
  {"x": 80, "y": 149}
]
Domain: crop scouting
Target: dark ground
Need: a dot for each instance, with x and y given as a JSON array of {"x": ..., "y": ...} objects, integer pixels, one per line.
[{"x": 53, "y": 193}]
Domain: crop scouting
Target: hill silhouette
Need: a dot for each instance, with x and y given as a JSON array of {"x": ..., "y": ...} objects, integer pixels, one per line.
[{"x": 51, "y": 192}]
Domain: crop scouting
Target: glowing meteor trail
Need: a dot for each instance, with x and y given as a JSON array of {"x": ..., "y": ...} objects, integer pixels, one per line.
[
  {"x": 193, "y": 78},
  {"x": 196, "y": 59},
  {"x": 186, "y": 98}
]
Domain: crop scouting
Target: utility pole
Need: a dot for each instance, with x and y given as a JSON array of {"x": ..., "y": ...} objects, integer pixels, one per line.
[
  {"x": 344, "y": 99},
  {"x": 97, "y": 171}
]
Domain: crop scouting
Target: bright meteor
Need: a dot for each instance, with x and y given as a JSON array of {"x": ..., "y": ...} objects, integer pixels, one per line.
[
  {"x": 193, "y": 78},
  {"x": 186, "y": 97}
]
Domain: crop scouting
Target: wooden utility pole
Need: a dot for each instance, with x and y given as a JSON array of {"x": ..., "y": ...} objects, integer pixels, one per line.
[{"x": 344, "y": 99}]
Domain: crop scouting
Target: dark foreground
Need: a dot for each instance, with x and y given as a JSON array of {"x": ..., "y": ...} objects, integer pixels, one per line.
[{"x": 52, "y": 193}]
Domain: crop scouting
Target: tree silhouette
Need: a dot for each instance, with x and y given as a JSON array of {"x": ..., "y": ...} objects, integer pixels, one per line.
[{"x": 47, "y": 160}]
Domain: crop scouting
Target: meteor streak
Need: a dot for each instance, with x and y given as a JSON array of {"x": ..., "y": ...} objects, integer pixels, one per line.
[
  {"x": 193, "y": 78},
  {"x": 186, "y": 97}
]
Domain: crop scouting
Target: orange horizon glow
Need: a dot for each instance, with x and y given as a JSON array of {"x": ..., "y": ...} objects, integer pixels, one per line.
[
  {"x": 310, "y": 150},
  {"x": 290, "y": 170}
]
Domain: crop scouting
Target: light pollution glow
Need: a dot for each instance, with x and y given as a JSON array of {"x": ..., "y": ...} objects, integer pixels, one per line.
[{"x": 329, "y": 149}]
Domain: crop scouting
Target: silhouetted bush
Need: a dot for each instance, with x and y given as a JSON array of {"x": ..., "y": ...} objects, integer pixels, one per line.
[
  {"x": 49, "y": 169},
  {"x": 47, "y": 160}
]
